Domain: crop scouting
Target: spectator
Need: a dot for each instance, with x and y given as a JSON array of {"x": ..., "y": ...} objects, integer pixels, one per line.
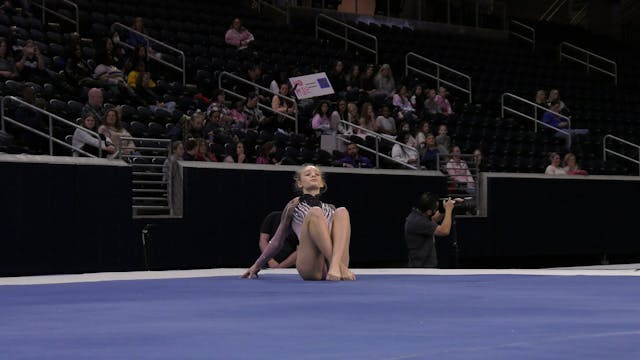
[
  {"x": 268, "y": 154},
  {"x": 282, "y": 105},
  {"x": 286, "y": 257},
  {"x": 214, "y": 124},
  {"x": 571, "y": 166},
  {"x": 368, "y": 119},
  {"x": 338, "y": 114},
  {"x": 77, "y": 70},
  {"x": 430, "y": 158},
  {"x": 405, "y": 127},
  {"x": 189, "y": 127},
  {"x": 203, "y": 153},
  {"x": 367, "y": 83},
  {"x": 139, "y": 65},
  {"x": 109, "y": 73},
  {"x": 554, "y": 96},
  {"x": 402, "y": 103},
  {"x": 478, "y": 161},
  {"x": 31, "y": 66},
  {"x": 353, "y": 159},
  {"x": 417, "y": 100},
  {"x": 235, "y": 153},
  {"x": 321, "y": 120},
  {"x": 240, "y": 118},
  {"x": 112, "y": 128},
  {"x": 238, "y": 36},
  {"x": 136, "y": 40},
  {"x": 421, "y": 227},
  {"x": 553, "y": 118},
  {"x": 554, "y": 168},
  {"x": 352, "y": 80},
  {"x": 177, "y": 152},
  {"x": 541, "y": 98},
  {"x": 443, "y": 140},
  {"x": 255, "y": 117},
  {"x": 95, "y": 105},
  {"x": 139, "y": 69},
  {"x": 443, "y": 102},
  {"x": 385, "y": 123},
  {"x": 337, "y": 78},
  {"x": 254, "y": 77},
  {"x": 86, "y": 142},
  {"x": 405, "y": 154},
  {"x": 281, "y": 77},
  {"x": 220, "y": 104},
  {"x": 431, "y": 106},
  {"x": 191, "y": 150},
  {"x": 353, "y": 117},
  {"x": 458, "y": 171},
  {"x": 421, "y": 136},
  {"x": 384, "y": 82},
  {"x": 8, "y": 68}
]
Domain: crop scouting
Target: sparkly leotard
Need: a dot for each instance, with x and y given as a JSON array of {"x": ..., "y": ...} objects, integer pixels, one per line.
[{"x": 292, "y": 219}]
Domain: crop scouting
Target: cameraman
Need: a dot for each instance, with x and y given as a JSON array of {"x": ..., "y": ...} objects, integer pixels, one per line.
[{"x": 421, "y": 227}]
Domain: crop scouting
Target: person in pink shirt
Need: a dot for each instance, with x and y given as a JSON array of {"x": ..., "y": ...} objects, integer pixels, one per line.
[
  {"x": 238, "y": 35},
  {"x": 443, "y": 102},
  {"x": 321, "y": 120}
]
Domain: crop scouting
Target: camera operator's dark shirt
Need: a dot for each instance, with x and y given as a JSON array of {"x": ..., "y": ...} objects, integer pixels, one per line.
[{"x": 419, "y": 233}]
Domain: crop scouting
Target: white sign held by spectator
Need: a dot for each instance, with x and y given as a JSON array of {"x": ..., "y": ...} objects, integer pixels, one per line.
[{"x": 313, "y": 85}]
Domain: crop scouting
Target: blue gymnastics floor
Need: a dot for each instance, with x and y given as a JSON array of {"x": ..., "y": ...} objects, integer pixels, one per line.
[{"x": 282, "y": 317}]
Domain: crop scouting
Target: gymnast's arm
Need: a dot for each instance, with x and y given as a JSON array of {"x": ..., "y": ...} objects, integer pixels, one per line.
[{"x": 276, "y": 242}]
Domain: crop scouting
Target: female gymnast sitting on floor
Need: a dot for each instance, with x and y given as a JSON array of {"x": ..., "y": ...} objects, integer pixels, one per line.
[{"x": 324, "y": 232}]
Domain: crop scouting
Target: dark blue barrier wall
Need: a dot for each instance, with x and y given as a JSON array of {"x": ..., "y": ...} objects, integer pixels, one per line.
[
  {"x": 64, "y": 217},
  {"x": 539, "y": 219}
]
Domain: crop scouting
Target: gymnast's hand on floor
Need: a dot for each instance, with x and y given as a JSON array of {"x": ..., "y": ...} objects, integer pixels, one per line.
[{"x": 252, "y": 273}]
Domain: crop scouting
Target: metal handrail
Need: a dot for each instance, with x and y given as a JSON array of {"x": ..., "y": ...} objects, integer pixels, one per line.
[
  {"x": 589, "y": 55},
  {"x": 552, "y": 10},
  {"x": 377, "y": 136},
  {"x": 531, "y": 39},
  {"x": 245, "y": 81},
  {"x": 605, "y": 150},
  {"x": 45, "y": 9},
  {"x": 535, "y": 117},
  {"x": 346, "y": 35},
  {"x": 50, "y": 136},
  {"x": 182, "y": 69},
  {"x": 437, "y": 77},
  {"x": 285, "y": 12},
  {"x": 580, "y": 15}
]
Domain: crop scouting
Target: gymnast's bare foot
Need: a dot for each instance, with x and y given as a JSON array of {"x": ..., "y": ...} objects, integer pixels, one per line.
[
  {"x": 334, "y": 274},
  {"x": 347, "y": 274}
]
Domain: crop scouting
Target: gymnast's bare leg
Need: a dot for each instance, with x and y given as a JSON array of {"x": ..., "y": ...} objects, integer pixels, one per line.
[
  {"x": 316, "y": 248},
  {"x": 341, "y": 235}
]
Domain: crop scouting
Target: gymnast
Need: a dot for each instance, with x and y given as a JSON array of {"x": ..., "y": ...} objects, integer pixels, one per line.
[{"x": 323, "y": 231}]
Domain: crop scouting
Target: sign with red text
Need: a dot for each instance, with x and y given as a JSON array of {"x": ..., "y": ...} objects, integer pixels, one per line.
[{"x": 313, "y": 85}]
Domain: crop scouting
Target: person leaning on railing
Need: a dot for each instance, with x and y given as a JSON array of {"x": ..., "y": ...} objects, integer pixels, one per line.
[{"x": 112, "y": 129}]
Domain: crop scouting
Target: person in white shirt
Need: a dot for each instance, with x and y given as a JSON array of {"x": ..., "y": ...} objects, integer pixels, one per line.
[
  {"x": 405, "y": 154},
  {"x": 554, "y": 168}
]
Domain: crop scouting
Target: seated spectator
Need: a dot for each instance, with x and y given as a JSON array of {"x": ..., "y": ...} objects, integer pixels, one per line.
[
  {"x": 337, "y": 78},
  {"x": 367, "y": 119},
  {"x": 268, "y": 154},
  {"x": 571, "y": 166},
  {"x": 254, "y": 78},
  {"x": 458, "y": 170},
  {"x": 367, "y": 83},
  {"x": 108, "y": 73},
  {"x": 238, "y": 36},
  {"x": 431, "y": 105},
  {"x": 237, "y": 155},
  {"x": 255, "y": 117},
  {"x": 554, "y": 96},
  {"x": 214, "y": 124},
  {"x": 321, "y": 120},
  {"x": 177, "y": 152},
  {"x": 77, "y": 70},
  {"x": 95, "y": 105},
  {"x": 431, "y": 152},
  {"x": 553, "y": 118},
  {"x": 86, "y": 142},
  {"x": 385, "y": 123},
  {"x": 421, "y": 136},
  {"x": 189, "y": 127},
  {"x": 8, "y": 68},
  {"x": 443, "y": 140},
  {"x": 220, "y": 104},
  {"x": 417, "y": 100},
  {"x": 554, "y": 168},
  {"x": 352, "y": 80},
  {"x": 136, "y": 40},
  {"x": 282, "y": 105},
  {"x": 338, "y": 114},
  {"x": 405, "y": 154},
  {"x": 240, "y": 118},
  {"x": 203, "y": 153},
  {"x": 402, "y": 103},
  {"x": 405, "y": 127},
  {"x": 31, "y": 66},
  {"x": 353, "y": 117},
  {"x": 541, "y": 98},
  {"x": 384, "y": 82},
  {"x": 286, "y": 257},
  {"x": 443, "y": 102},
  {"x": 112, "y": 128},
  {"x": 353, "y": 159},
  {"x": 478, "y": 161},
  {"x": 139, "y": 66},
  {"x": 190, "y": 150},
  {"x": 281, "y": 77}
]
